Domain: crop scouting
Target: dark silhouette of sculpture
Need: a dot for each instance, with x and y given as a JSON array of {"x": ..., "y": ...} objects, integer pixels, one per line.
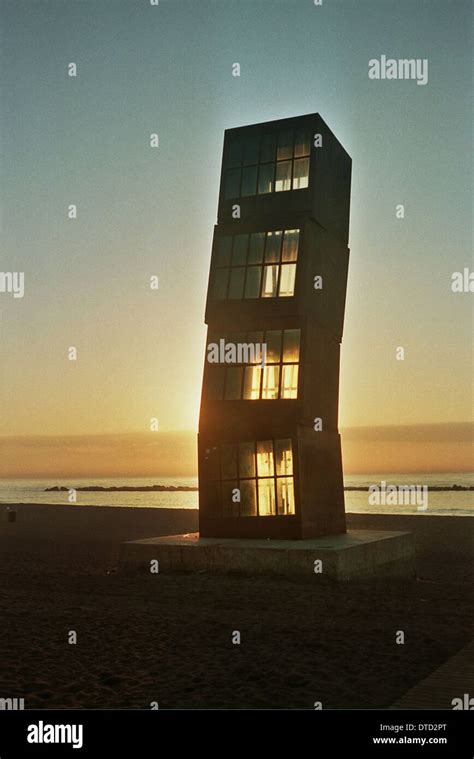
[{"x": 269, "y": 446}]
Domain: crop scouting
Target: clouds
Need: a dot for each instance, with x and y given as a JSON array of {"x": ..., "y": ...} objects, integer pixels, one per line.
[{"x": 403, "y": 449}]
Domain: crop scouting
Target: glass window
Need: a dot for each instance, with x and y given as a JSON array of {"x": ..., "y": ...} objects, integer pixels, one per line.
[
  {"x": 232, "y": 183},
  {"x": 283, "y": 457},
  {"x": 247, "y": 460},
  {"x": 223, "y": 250},
  {"x": 285, "y": 495},
  {"x": 285, "y": 145},
  {"x": 213, "y": 494},
  {"x": 291, "y": 345},
  {"x": 233, "y": 383},
  {"x": 273, "y": 343},
  {"x": 210, "y": 463},
  {"x": 255, "y": 337},
  {"x": 272, "y": 247},
  {"x": 246, "y": 250},
  {"x": 290, "y": 150},
  {"x": 271, "y": 377},
  {"x": 290, "y": 245},
  {"x": 234, "y": 153},
  {"x": 253, "y": 473},
  {"x": 228, "y": 462},
  {"x": 236, "y": 285},
  {"x": 236, "y": 337},
  {"x": 219, "y": 284},
  {"x": 266, "y": 498},
  {"x": 257, "y": 242},
  {"x": 283, "y": 176},
  {"x": 266, "y": 374},
  {"x": 248, "y": 353},
  {"x": 302, "y": 142},
  {"x": 265, "y": 178},
  {"x": 287, "y": 280},
  {"x": 230, "y": 507},
  {"x": 249, "y": 181},
  {"x": 251, "y": 147},
  {"x": 239, "y": 252},
  {"x": 215, "y": 383},
  {"x": 248, "y": 498},
  {"x": 270, "y": 281},
  {"x": 252, "y": 284},
  {"x": 300, "y": 173},
  {"x": 267, "y": 148},
  {"x": 265, "y": 466},
  {"x": 289, "y": 381},
  {"x": 252, "y": 383}
]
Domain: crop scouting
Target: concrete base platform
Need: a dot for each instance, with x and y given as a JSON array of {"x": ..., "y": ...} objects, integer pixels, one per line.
[{"x": 355, "y": 555}]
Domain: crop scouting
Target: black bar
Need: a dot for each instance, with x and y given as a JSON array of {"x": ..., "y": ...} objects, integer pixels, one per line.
[{"x": 315, "y": 734}]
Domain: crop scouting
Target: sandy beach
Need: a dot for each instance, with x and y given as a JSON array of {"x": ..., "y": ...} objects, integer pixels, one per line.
[{"x": 164, "y": 638}]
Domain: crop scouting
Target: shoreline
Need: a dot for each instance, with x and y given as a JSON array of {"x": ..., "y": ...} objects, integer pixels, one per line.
[
  {"x": 194, "y": 489},
  {"x": 5, "y": 505}
]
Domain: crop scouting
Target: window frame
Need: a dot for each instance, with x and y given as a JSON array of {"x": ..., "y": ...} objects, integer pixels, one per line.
[
  {"x": 212, "y": 369},
  {"x": 232, "y": 164},
  {"x": 225, "y": 484},
  {"x": 218, "y": 268}
]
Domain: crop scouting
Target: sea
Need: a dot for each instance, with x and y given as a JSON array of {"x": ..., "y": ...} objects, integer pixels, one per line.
[{"x": 439, "y": 502}]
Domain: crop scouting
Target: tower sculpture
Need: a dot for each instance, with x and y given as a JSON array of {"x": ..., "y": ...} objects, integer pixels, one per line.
[{"x": 269, "y": 447}]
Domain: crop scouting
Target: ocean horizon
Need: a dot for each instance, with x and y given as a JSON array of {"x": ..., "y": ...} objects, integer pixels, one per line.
[{"x": 442, "y": 501}]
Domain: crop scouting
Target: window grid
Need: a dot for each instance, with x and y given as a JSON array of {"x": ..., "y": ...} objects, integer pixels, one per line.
[
  {"x": 276, "y": 380},
  {"x": 273, "y": 493},
  {"x": 239, "y": 273},
  {"x": 266, "y": 164}
]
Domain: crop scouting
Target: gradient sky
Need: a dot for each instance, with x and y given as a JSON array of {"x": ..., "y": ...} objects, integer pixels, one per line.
[{"x": 143, "y": 212}]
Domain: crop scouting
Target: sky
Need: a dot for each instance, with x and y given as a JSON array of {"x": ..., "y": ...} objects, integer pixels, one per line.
[{"x": 141, "y": 211}]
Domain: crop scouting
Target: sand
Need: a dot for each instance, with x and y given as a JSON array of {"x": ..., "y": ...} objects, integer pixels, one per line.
[{"x": 168, "y": 639}]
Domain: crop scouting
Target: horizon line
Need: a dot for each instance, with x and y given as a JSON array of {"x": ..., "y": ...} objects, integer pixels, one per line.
[{"x": 190, "y": 431}]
